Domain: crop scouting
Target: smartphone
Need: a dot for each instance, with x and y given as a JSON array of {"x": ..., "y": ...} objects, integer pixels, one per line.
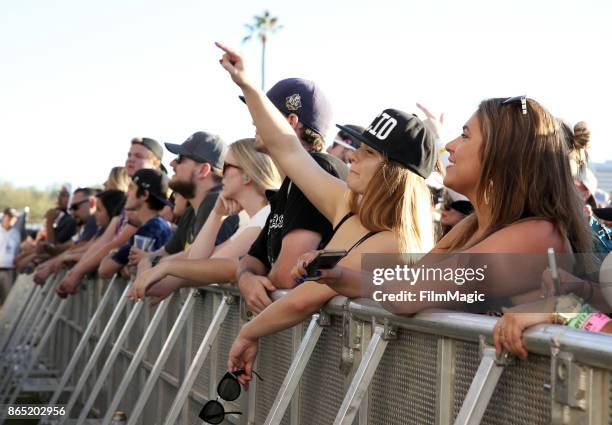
[{"x": 327, "y": 259}]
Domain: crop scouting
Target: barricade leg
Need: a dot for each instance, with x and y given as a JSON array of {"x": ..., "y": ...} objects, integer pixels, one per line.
[
  {"x": 41, "y": 344},
  {"x": 110, "y": 361},
  {"x": 91, "y": 363},
  {"x": 81, "y": 347},
  {"x": 162, "y": 358},
  {"x": 198, "y": 360},
  {"x": 136, "y": 360},
  {"x": 295, "y": 372},
  {"x": 363, "y": 376},
  {"x": 25, "y": 343},
  {"x": 482, "y": 387},
  {"x": 9, "y": 328}
]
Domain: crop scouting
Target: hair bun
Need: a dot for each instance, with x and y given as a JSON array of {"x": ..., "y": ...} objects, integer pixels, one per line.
[{"x": 582, "y": 135}]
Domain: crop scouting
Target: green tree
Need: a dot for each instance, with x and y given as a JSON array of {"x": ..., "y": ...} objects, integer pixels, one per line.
[
  {"x": 39, "y": 201},
  {"x": 262, "y": 27}
]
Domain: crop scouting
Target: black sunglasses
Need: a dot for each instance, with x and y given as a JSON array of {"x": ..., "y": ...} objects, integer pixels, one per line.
[
  {"x": 227, "y": 165},
  {"x": 76, "y": 206},
  {"x": 522, "y": 99},
  {"x": 228, "y": 389}
]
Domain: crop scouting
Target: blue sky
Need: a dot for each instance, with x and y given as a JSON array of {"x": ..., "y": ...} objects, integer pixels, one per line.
[{"x": 79, "y": 79}]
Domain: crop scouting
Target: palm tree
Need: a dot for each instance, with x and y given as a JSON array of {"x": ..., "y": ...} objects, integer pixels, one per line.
[{"x": 262, "y": 27}]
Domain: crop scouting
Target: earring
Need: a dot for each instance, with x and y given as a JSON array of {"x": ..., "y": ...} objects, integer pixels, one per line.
[
  {"x": 486, "y": 192},
  {"x": 245, "y": 178}
]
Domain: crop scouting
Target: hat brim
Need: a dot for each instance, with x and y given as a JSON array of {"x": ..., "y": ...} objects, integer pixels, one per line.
[
  {"x": 175, "y": 149},
  {"x": 603, "y": 213},
  {"x": 357, "y": 135}
]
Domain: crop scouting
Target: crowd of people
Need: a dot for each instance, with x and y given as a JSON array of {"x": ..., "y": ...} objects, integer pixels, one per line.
[{"x": 259, "y": 212}]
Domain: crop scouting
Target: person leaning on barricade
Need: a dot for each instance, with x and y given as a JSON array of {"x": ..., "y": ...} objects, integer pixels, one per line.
[
  {"x": 247, "y": 175},
  {"x": 294, "y": 225},
  {"x": 146, "y": 196},
  {"x": 198, "y": 169},
  {"x": 582, "y": 303},
  {"x": 384, "y": 206},
  {"x": 144, "y": 153},
  {"x": 83, "y": 209},
  {"x": 59, "y": 227},
  {"x": 109, "y": 204}
]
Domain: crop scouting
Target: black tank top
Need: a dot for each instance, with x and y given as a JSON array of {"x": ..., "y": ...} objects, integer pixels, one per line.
[{"x": 360, "y": 241}]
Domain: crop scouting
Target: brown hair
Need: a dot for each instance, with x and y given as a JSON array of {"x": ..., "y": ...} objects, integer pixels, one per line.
[
  {"x": 577, "y": 140},
  {"x": 397, "y": 200},
  {"x": 312, "y": 139},
  {"x": 526, "y": 158}
]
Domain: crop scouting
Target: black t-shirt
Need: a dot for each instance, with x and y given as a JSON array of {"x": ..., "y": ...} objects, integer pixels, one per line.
[
  {"x": 65, "y": 228},
  {"x": 290, "y": 210},
  {"x": 190, "y": 225}
]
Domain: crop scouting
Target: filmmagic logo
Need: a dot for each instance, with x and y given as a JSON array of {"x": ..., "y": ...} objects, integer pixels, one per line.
[{"x": 429, "y": 296}]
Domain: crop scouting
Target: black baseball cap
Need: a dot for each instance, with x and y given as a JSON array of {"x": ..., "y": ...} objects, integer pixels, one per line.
[
  {"x": 150, "y": 144},
  {"x": 347, "y": 140},
  {"x": 305, "y": 99},
  {"x": 201, "y": 147},
  {"x": 402, "y": 138},
  {"x": 603, "y": 213},
  {"x": 154, "y": 181}
]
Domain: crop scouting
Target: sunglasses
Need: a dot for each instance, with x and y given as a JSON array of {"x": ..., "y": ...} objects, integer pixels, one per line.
[
  {"x": 228, "y": 389},
  {"x": 76, "y": 206},
  {"x": 227, "y": 165},
  {"x": 522, "y": 99}
]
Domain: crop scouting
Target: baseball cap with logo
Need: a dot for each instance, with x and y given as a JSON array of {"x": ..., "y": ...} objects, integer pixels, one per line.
[
  {"x": 305, "y": 99},
  {"x": 402, "y": 138},
  {"x": 154, "y": 181},
  {"x": 201, "y": 147},
  {"x": 150, "y": 144}
]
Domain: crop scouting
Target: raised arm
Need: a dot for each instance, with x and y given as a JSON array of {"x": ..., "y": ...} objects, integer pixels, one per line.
[{"x": 323, "y": 190}]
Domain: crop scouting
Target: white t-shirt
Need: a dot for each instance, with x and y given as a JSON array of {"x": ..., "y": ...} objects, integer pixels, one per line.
[
  {"x": 9, "y": 246},
  {"x": 258, "y": 220}
]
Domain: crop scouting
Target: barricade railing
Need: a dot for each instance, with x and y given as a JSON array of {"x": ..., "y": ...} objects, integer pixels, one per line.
[{"x": 352, "y": 363}]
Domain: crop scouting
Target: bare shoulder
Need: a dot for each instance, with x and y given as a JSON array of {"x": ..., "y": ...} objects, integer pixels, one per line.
[
  {"x": 382, "y": 242},
  {"x": 526, "y": 236}
]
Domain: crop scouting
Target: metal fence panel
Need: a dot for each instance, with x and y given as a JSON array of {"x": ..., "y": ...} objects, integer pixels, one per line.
[
  {"x": 323, "y": 384},
  {"x": 404, "y": 386}
]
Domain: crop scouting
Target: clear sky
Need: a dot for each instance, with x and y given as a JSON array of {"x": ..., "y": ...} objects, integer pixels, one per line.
[{"x": 79, "y": 79}]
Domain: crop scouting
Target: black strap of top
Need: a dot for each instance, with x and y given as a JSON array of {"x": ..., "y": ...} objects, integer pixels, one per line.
[
  {"x": 360, "y": 241},
  {"x": 341, "y": 222}
]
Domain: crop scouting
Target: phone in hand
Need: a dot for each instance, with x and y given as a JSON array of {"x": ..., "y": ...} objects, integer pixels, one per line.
[{"x": 327, "y": 259}]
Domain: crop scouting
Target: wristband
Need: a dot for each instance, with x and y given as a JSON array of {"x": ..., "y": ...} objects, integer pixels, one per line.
[{"x": 595, "y": 322}]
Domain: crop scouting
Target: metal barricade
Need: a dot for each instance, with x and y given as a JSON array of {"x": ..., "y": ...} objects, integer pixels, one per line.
[{"x": 352, "y": 363}]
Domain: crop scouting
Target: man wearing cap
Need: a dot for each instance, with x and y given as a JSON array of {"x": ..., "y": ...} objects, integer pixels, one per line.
[
  {"x": 294, "y": 225},
  {"x": 344, "y": 143},
  {"x": 197, "y": 177},
  {"x": 10, "y": 240},
  {"x": 144, "y": 153},
  {"x": 198, "y": 169},
  {"x": 146, "y": 197}
]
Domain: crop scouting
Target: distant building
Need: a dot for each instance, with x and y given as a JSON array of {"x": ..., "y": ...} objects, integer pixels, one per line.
[{"x": 603, "y": 172}]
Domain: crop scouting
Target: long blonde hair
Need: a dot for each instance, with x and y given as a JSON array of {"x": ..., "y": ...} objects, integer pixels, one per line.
[
  {"x": 525, "y": 173},
  {"x": 117, "y": 179},
  {"x": 258, "y": 166},
  {"x": 397, "y": 200}
]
